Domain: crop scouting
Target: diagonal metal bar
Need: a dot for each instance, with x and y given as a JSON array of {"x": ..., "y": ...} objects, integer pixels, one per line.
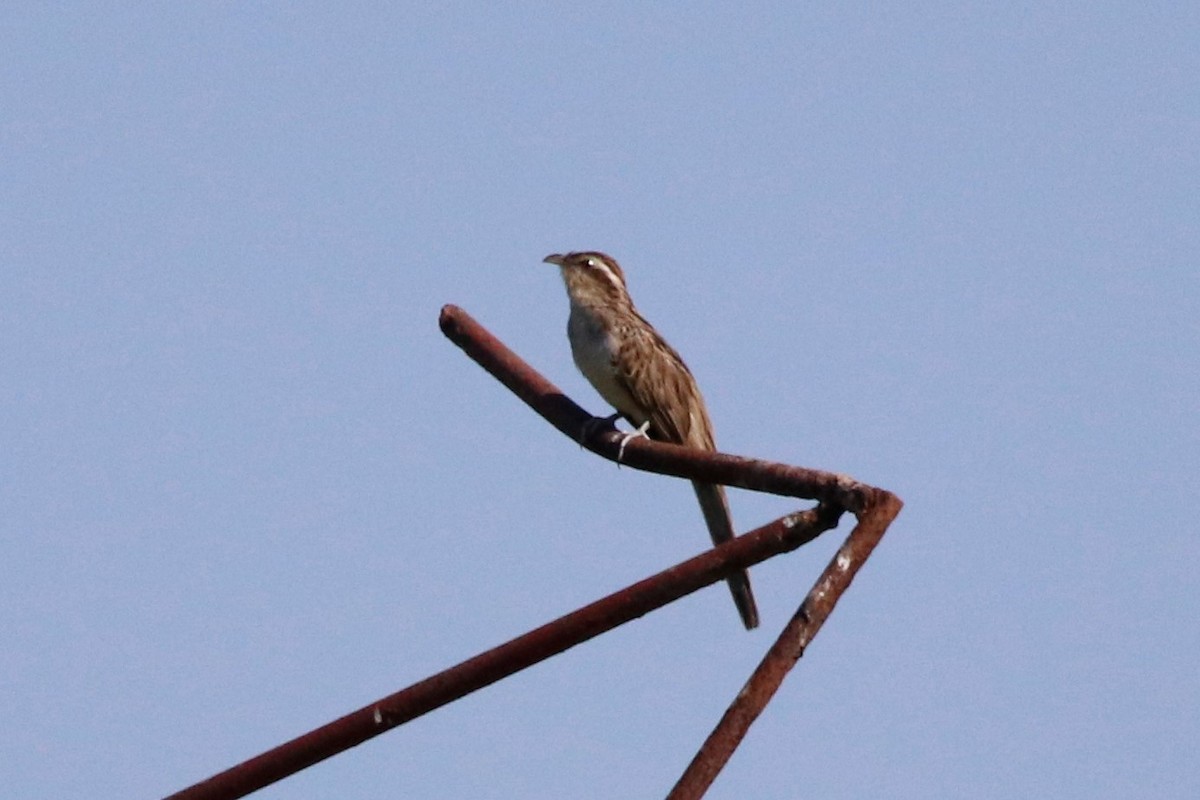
[
  {"x": 666, "y": 459},
  {"x": 875, "y": 508},
  {"x": 782, "y": 535},
  {"x": 787, "y": 650}
]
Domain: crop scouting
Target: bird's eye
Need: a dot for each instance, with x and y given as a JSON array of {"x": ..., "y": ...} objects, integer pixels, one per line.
[{"x": 591, "y": 262}]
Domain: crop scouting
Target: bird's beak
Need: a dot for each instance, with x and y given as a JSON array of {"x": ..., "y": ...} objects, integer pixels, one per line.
[{"x": 555, "y": 259}]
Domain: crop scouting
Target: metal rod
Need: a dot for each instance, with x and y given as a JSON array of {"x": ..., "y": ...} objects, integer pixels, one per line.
[
  {"x": 666, "y": 459},
  {"x": 875, "y": 509},
  {"x": 782, "y": 535},
  {"x": 787, "y": 650}
]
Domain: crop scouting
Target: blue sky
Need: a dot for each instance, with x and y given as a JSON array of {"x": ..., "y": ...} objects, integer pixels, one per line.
[{"x": 950, "y": 249}]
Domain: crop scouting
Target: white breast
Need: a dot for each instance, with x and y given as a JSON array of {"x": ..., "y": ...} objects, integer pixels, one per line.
[{"x": 594, "y": 351}]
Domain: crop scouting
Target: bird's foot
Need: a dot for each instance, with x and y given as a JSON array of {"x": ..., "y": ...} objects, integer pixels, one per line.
[{"x": 627, "y": 438}]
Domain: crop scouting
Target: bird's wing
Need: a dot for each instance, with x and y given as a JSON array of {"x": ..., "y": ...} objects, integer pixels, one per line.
[{"x": 660, "y": 383}]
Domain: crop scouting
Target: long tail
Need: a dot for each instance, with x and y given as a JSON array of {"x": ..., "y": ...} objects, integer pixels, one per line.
[{"x": 720, "y": 526}]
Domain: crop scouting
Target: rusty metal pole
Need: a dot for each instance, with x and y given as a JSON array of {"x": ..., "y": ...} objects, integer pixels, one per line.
[
  {"x": 665, "y": 459},
  {"x": 787, "y": 650},
  {"x": 875, "y": 508},
  {"x": 782, "y": 535}
]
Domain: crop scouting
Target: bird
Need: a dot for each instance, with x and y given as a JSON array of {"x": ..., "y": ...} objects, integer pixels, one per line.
[{"x": 635, "y": 371}]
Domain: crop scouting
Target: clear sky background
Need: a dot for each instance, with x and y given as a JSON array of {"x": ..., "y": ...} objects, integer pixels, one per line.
[{"x": 247, "y": 486}]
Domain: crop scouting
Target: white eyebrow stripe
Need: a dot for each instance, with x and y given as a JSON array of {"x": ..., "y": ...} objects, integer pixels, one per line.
[{"x": 600, "y": 264}]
